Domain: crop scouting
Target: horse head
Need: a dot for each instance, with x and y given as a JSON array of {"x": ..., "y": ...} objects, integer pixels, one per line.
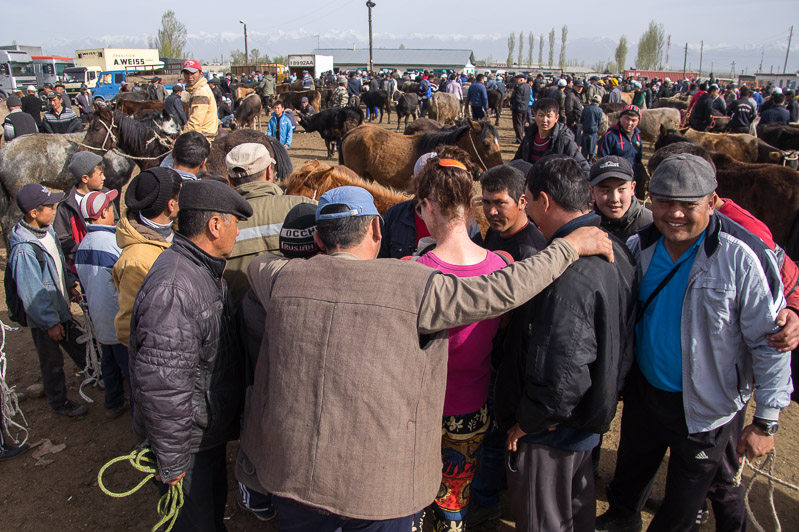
[
  {"x": 307, "y": 180},
  {"x": 166, "y": 123},
  {"x": 484, "y": 142},
  {"x": 101, "y": 133}
]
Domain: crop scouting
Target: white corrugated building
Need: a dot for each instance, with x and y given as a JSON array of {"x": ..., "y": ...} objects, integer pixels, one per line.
[{"x": 401, "y": 59}]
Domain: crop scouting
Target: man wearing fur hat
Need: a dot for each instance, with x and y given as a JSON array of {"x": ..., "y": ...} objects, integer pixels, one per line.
[
  {"x": 142, "y": 234},
  {"x": 185, "y": 365}
]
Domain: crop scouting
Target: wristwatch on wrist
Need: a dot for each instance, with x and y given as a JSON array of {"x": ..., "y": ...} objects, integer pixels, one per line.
[{"x": 766, "y": 425}]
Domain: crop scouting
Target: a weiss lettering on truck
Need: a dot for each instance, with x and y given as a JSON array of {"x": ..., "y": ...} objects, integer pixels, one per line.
[{"x": 93, "y": 63}]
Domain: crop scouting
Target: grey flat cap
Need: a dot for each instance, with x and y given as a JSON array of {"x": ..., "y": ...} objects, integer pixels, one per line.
[{"x": 683, "y": 177}]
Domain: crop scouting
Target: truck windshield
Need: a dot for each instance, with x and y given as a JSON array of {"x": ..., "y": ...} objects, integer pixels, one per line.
[
  {"x": 21, "y": 69},
  {"x": 76, "y": 75}
]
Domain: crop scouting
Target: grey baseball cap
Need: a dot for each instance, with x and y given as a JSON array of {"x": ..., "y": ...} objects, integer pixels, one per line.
[{"x": 683, "y": 177}]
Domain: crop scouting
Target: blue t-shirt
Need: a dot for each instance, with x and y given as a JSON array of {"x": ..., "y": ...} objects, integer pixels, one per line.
[{"x": 658, "y": 345}]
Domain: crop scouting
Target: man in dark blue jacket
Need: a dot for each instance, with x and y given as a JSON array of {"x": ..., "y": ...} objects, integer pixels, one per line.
[
  {"x": 624, "y": 139},
  {"x": 519, "y": 104},
  {"x": 776, "y": 113},
  {"x": 477, "y": 97},
  {"x": 591, "y": 119},
  {"x": 174, "y": 106}
]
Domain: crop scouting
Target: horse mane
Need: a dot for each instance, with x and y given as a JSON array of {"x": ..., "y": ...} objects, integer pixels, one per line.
[
  {"x": 315, "y": 178},
  {"x": 430, "y": 141},
  {"x": 134, "y": 134}
]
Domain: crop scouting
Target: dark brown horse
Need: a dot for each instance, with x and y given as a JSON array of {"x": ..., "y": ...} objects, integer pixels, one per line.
[
  {"x": 388, "y": 158},
  {"x": 146, "y": 142}
]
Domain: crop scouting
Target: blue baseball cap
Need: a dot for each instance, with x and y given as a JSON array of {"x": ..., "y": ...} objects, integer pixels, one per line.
[{"x": 358, "y": 201}]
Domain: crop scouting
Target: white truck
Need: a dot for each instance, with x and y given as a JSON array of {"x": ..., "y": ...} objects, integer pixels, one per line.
[
  {"x": 16, "y": 71},
  {"x": 91, "y": 62},
  {"x": 314, "y": 64}
]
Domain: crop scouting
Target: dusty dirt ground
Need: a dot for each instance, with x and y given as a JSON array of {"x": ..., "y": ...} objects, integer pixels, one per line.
[{"x": 63, "y": 494}]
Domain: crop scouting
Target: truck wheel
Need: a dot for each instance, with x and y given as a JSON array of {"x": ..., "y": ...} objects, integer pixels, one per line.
[{"x": 3, "y": 94}]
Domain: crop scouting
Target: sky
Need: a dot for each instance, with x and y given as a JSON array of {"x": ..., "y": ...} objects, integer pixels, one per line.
[{"x": 728, "y": 33}]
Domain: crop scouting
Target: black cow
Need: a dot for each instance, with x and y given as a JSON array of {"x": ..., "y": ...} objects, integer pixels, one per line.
[
  {"x": 332, "y": 124},
  {"x": 407, "y": 104},
  {"x": 377, "y": 100}
]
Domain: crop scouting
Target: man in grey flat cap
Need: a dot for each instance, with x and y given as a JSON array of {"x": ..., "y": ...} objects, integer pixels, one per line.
[
  {"x": 185, "y": 366},
  {"x": 709, "y": 293}
]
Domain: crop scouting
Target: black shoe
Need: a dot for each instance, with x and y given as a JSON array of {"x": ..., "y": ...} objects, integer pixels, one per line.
[
  {"x": 71, "y": 409},
  {"x": 619, "y": 521},
  {"x": 115, "y": 412},
  {"x": 8, "y": 452},
  {"x": 477, "y": 514}
]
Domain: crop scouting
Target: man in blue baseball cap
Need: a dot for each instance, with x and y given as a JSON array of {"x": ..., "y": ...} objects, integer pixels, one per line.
[{"x": 357, "y": 349}]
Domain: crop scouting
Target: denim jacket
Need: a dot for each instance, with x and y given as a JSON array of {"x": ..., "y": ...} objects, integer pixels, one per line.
[{"x": 44, "y": 304}]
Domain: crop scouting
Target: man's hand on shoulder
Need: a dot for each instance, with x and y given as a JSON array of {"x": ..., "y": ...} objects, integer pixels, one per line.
[
  {"x": 591, "y": 241},
  {"x": 788, "y": 338}
]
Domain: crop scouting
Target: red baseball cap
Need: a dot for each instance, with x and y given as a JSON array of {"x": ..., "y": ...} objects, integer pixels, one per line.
[
  {"x": 94, "y": 202},
  {"x": 192, "y": 65}
]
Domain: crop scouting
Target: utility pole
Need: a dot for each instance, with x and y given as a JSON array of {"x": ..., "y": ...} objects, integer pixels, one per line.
[
  {"x": 370, "y": 5},
  {"x": 701, "y": 53},
  {"x": 317, "y": 41},
  {"x": 668, "y": 51},
  {"x": 785, "y": 65},
  {"x": 732, "y": 69},
  {"x": 685, "y": 60},
  {"x": 760, "y": 68},
  {"x": 246, "y": 50}
]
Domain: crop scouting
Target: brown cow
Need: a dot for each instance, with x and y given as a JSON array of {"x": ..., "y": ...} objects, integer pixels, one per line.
[
  {"x": 652, "y": 122},
  {"x": 248, "y": 111},
  {"x": 444, "y": 108},
  {"x": 739, "y": 146},
  {"x": 782, "y": 136},
  {"x": 422, "y": 125},
  {"x": 293, "y": 99}
]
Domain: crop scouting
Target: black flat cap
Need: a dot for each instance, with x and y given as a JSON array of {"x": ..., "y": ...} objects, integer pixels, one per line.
[{"x": 209, "y": 195}]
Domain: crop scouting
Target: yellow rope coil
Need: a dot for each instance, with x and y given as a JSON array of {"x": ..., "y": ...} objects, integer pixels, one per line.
[{"x": 143, "y": 460}]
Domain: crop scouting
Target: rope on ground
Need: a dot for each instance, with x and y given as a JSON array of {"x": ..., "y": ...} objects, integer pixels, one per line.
[
  {"x": 143, "y": 460},
  {"x": 770, "y": 460},
  {"x": 93, "y": 374},
  {"x": 8, "y": 397}
]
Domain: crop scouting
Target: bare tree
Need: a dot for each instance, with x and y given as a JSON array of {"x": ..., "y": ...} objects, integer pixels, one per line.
[
  {"x": 564, "y": 33},
  {"x": 521, "y": 48},
  {"x": 511, "y": 46},
  {"x": 650, "y": 47},
  {"x": 237, "y": 57},
  {"x": 530, "y": 46},
  {"x": 541, "y": 50},
  {"x": 621, "y": 53},
  {"x": 551, "y": 47},
  {"x": 171, "y": 37}
]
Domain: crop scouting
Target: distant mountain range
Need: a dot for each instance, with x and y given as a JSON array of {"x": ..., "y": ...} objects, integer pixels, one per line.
[{"x": 490, "y": 46}]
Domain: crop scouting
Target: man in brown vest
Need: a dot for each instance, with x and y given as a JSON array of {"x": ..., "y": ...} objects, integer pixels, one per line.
[{"x": 344, "y": 424}]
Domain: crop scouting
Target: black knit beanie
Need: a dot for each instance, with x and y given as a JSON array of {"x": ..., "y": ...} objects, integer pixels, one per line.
[{"x": 150, "y": 191}]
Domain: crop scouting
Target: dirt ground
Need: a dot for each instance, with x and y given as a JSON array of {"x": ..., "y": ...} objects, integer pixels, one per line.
[{"x": 60, "y": 491}]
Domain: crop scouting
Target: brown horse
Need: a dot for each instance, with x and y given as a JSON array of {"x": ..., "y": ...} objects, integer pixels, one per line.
[
  {"x": 314, "y": 179},
  {"x": 388, "y": 158}
]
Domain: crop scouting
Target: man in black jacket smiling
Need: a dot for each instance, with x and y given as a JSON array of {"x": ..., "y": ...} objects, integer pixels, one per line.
[
  {"x": 184, "y": 362},
  {"x": 559, "y": 388}
]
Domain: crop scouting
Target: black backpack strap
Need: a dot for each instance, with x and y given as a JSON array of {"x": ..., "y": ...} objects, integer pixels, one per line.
[{"x": 657, "y": 290}]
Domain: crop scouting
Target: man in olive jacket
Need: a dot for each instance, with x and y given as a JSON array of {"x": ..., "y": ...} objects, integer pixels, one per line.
[
  {"x": 344, "y": 424},
  {"x": 185, "y": 367}
]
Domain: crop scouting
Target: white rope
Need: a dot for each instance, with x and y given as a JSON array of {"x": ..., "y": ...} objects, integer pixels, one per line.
[
  {"x": 469, "y": 133},
  {"x": 770, "y": 460},
  {"x": 8, "y": 397},
  {"x": 92, "y": 372}
]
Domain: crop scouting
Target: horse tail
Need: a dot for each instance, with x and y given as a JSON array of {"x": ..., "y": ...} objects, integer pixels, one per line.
[{"x": 282, "y": 159}]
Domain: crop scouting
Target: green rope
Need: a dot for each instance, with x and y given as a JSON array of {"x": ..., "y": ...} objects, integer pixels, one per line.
[{"x": 169, "y": 504}]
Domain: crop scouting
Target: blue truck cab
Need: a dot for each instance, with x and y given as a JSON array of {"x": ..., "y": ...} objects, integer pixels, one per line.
[{"x": 110, "y": 81}]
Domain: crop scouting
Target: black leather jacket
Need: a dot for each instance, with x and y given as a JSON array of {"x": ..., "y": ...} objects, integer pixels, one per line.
[
  {"x": 185, "y": 366},
  {"x": 569, "y": 347}
]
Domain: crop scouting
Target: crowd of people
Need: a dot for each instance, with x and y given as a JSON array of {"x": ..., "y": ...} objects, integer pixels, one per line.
[{"x": 366, "y": 391}]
